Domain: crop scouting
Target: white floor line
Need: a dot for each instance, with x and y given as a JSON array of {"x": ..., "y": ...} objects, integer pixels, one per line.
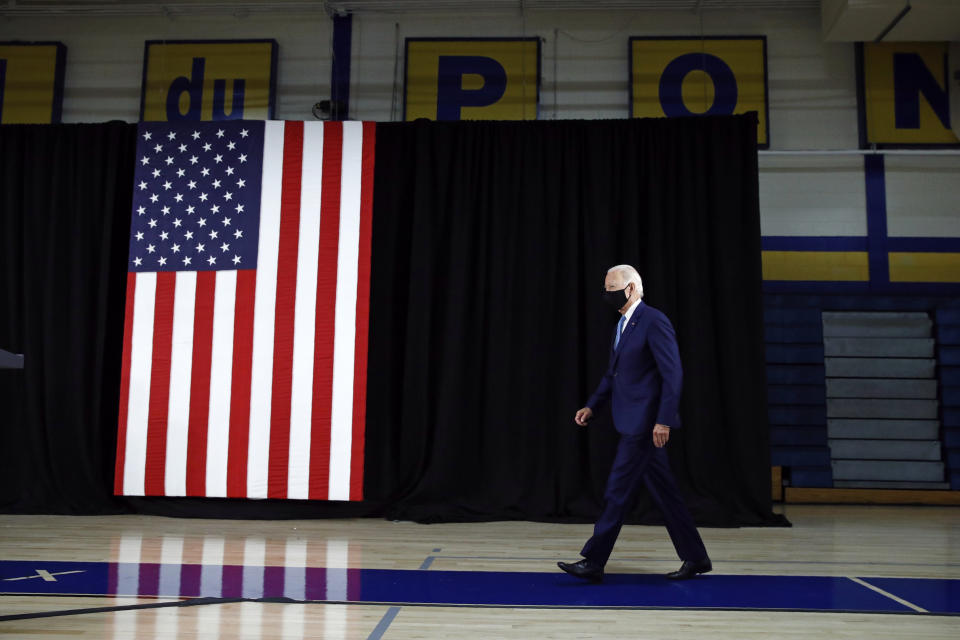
[{"x": 888, "y": 594}]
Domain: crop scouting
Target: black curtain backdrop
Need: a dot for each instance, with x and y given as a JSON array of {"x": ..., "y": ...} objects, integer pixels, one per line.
[
  {"x": 65, "y": 194},
  {"x": 490, "y": 244}
]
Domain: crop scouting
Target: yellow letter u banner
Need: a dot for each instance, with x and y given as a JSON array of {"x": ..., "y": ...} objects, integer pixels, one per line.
[{"x": 208, "y": 80}]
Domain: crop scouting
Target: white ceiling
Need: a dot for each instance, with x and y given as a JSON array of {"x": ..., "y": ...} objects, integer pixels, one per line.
[
  {"x": 584, "y": 5},
  {"x": 865, "y": 20},
  {"x": 393, "y": 6},
  {"x": 843, "y": 20}
]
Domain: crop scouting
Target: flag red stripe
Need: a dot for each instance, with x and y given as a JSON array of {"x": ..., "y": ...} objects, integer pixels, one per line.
[
  {"x": 200, "y": 384},
  {"x": 124, "y": 385},
  {"x": 156, "y": 458},
  {"x": 354, "y": 562},
  {"x": 319, "y": 487},
  {"x": 285, "y": 310},
  {"x": 240, "y": 384},
  {"x": 363, "y": 313}
]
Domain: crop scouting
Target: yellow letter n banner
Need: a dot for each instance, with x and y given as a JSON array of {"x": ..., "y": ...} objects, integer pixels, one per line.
[
  {"x": 472, "y": 79},
  {"x": 904, "y": 94},
  {"x": 688, "y": 76},
  {"x": 31, "y": 82},
  {"x": 208, "y": 80}
]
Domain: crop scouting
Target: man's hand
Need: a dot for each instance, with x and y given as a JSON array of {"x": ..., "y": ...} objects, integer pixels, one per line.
[
  {"x": 583, "y": 416},
  {"x": 661, "y": 434}
]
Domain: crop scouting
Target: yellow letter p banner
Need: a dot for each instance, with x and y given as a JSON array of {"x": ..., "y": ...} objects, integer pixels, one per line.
[{"x": 472, "y": 79}]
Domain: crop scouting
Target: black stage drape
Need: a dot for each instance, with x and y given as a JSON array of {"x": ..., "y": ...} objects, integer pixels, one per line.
[
  {"x": 65, "y": 194},
  {"x": 490, "y": 244}
]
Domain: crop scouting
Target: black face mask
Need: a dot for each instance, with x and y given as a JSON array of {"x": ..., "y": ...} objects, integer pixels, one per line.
[{"x": 616, "y": 298}]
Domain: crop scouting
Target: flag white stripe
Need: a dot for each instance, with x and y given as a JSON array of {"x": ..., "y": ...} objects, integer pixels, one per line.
[
  {"x": 261, "y": 387},
  {"x": 208, "y": 622},
  {"x": 221, "y": 377},
  {"x": 171, "y": 549},
  {"x": 125, "y": 627},
  {"x": 335, "y": 620},
  {"x": 294, "y": 622},
  {"x": 166, "y": 623},
  {"x": 178, "y": 402},
  {"x": 254, "y": 559},
  {"x": 129, "y": 548},
  {"x": 171, "y": 557},
  {"x": 212, "y": 550},
  {"x": 141, "y": 365},
  {"x": 251, "y": 621},
  {"x": 338, "y": 559},
  {"x": 295, "y": 553},
  {"x": 128, "y": 569},
  {"x": 305, "y": 313},
  {"x": 341, "y": 413},
  {"x": 211, "y": 574},
  {"x": 295, "y": 572}
]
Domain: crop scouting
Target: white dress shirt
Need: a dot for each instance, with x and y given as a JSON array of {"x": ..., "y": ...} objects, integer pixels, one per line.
[{"x": 628, "y": 313}]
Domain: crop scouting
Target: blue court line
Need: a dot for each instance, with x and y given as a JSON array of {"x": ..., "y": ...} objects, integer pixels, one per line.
[
  {"x": 478, "y": 588},
  {"x": 392, "y": 612},
  {"x": 384, "y": 623}
]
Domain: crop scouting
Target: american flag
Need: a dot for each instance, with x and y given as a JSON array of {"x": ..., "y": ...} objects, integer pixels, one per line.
[{"x": 245, "y": 342}]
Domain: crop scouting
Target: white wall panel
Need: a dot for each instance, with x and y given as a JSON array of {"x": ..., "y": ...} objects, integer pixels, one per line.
[
  {"x": 105, "y": 56},
  {"x": 584, "y": 74},
  {"x": 812, "y": 196},
  {"x": 584, "y": 64},
  {"x": 923, "y": 196}
]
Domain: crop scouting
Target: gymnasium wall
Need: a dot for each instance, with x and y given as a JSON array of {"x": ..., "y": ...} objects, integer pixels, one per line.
[
  {"x": 584, "y": 74},
  {"x": 841, "y": 232}
]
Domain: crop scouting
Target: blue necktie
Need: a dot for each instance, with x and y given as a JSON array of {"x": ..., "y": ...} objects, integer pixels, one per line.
[{"x": 616, "y": 341}]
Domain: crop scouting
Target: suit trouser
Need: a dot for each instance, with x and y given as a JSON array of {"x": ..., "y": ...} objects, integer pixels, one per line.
[{"x": 638, "y": 460}]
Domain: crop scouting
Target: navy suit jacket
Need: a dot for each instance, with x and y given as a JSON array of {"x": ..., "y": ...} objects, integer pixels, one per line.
[{"x": 644, "y": 377}]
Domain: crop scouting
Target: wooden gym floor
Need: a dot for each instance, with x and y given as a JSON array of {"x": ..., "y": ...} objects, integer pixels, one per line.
[{"x": 839, "y": 572}]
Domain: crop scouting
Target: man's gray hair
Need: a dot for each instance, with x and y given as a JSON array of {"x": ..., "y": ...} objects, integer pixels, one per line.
[{"x": 627, "y": 275}]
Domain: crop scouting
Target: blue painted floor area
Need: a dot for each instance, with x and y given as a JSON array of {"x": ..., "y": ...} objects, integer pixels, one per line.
[
  {"x": 478, "y": 588},
  {"x": 930, "y": 594}
]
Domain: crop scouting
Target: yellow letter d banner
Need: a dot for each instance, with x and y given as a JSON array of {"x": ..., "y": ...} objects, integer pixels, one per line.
[{"x": 208, "y": 80}]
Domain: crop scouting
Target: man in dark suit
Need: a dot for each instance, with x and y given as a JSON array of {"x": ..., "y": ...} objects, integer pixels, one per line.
[{"x": 643, "y": 380}]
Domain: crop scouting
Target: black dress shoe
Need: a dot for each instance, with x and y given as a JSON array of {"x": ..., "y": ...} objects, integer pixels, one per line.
[
  {"x": 691, "y": 569},
  {"x": 584, "y": 569}
]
